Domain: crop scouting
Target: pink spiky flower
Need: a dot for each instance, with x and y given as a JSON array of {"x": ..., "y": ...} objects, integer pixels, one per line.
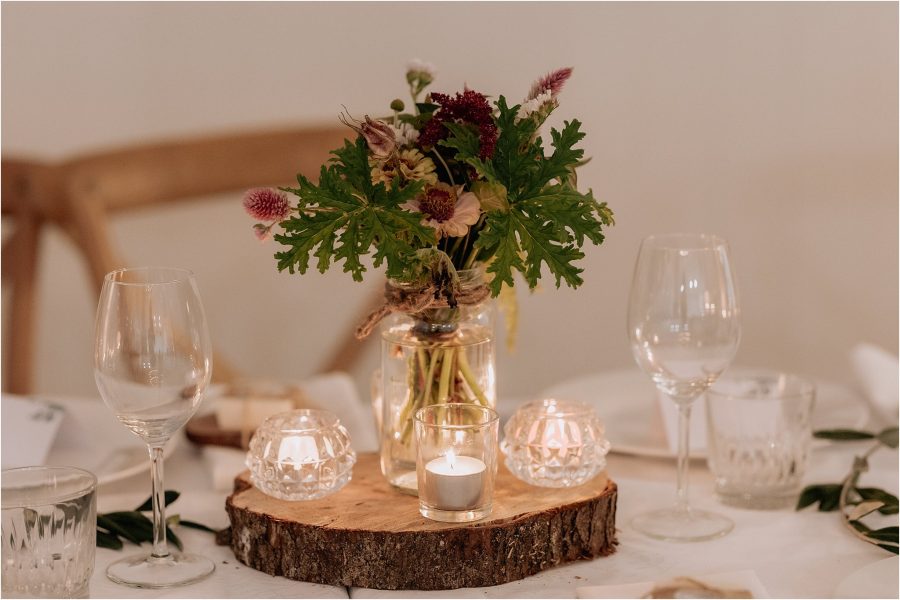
[
  {"x": 551, "y": 81},
  {"x": 267, "y": 204}
]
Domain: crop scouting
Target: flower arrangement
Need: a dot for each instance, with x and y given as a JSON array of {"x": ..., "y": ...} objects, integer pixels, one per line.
[
  {"x": 449, "y": 184},
  {"x": 454, "y": 196}
]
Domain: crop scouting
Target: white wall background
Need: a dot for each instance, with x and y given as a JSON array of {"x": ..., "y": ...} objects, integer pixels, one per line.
[{"x": 773, "y": 124}]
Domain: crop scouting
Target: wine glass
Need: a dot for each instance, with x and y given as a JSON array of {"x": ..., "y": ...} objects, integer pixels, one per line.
[
  {"x": 152, "y": 364},
  {"x": 684, "y": 327}
]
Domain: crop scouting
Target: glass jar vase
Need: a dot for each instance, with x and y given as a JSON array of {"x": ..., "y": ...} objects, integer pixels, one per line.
[{"x": 435, "y": 356}]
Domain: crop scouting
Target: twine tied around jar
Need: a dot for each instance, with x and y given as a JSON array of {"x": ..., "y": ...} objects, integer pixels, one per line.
[{"x": 414, "y": 300}]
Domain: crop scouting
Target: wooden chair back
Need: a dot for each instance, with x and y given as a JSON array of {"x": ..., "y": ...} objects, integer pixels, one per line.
[{"x": 80, "y": 195}]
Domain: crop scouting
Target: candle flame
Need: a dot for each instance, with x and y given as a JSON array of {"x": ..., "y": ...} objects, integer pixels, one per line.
[{"x": 451, "y": 458}]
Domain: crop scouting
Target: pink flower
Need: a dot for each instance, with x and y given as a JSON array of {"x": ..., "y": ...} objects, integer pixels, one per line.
[
  {"x": 267, "y": 204},
  {"x": 551, "y": 81},
  {"x": 449, "y": 211}
]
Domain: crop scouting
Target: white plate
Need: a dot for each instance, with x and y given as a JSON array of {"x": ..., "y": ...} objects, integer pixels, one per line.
[
  {"x": 91, "y": 438},
  {"x": 877, "y": 580},
  {"x": 626, "y": 401}
]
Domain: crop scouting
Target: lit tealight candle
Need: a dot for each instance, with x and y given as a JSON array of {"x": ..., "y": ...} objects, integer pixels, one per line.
[{"x": 454, "y": 482}]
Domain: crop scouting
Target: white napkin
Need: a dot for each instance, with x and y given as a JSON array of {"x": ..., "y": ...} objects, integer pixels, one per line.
[
  {"x": 732, "y": 580},
  {"x": 29, "y": 427},
  {"x": 878, "y": 372},
  {"x": 332, "y": 391}
]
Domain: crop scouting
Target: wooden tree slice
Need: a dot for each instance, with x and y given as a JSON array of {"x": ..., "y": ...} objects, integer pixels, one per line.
[{"x": 369, "y": 535}]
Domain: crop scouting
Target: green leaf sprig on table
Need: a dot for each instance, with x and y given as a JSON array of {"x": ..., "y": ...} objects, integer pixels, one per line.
[
  {"x": 853, "y": 501},
  {"x": 135, "y": 527}
]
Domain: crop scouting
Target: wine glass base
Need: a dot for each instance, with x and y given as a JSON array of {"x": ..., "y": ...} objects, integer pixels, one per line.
[
  {"x": 148, "y": 571},
  {"x": 680, "y": 525}
]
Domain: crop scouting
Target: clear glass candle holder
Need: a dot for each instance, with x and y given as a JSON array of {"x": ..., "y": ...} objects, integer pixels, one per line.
[
  {"x": 49, "y": 532},
  {"x": 301, "y": 455},
  {"x": 758, "y": 437},
  {"x": 456, "y": 461},
  {"x": 555, "y": 443}
]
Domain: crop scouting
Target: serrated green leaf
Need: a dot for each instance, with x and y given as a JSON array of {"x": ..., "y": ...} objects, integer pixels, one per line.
[
  {"x": 465, "y": 142},
  {"x": 344, "y": 215},
  {"x": 843, "y": 435},
  {"x": 519, "y": 241},
  {"x": 559, "y": 165}
]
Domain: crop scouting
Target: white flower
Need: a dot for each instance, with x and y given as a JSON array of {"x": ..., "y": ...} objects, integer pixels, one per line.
[
  {"x": 535, "y": 104},
  {"x": 406, "y": 134},
  {"x": 419, "y": 66},
  {"x": 411, "y": 163}
]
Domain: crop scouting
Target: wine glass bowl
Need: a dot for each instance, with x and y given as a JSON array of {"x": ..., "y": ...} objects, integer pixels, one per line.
[
  {"x": 684, "y": 328},
  {"x": 152, "y": 365}
]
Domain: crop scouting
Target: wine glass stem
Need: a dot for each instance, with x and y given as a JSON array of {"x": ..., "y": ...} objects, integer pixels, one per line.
[
  {"x": 160, "y": 547},
  {"x": 684, "y": 450}
]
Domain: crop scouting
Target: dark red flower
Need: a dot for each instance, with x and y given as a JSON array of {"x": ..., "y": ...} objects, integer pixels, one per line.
[{"x": 468, "y": 107}]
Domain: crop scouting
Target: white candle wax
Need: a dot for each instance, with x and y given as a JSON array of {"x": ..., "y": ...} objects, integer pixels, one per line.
[{"x": 454, "y": 482}]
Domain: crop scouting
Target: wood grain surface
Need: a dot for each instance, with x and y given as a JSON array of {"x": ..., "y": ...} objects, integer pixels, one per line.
[{"x": 370, "y": 535}]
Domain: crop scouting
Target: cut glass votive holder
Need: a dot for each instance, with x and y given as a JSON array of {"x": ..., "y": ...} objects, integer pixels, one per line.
[
  {"x": 49, "y": 532},
  {"x": 456, "y": 461},
  {"x": 758, "y": 438},
  {"x": 301, "y": 455},
  {"x": 555, "y": 443}
]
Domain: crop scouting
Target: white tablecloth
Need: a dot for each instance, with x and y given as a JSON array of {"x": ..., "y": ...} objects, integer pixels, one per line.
[{"x": 794, "y": 554}]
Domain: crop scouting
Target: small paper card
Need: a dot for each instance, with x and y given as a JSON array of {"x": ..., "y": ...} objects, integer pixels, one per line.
[{"x": 29, "y": 426}]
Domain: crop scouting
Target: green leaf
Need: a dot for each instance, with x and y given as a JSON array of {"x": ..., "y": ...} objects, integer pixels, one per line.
[
  {"x": 888, "y": 437},
  {"x": 827, "y": 495},
  {"x": 564, "y": 159},
  {"x": 843, "y": 435},
  {"x": 890, "y": 501},
  {"x": 464, "y": 140},
  {"x": 427, "y": 107},
  {"x": 518, "y": 153},
  {"x": 860, "y": 526},
  {"x": 809, "y": 496},
  {"x": 491, "y": 196},
  {"x": 133, "y": 526},
  {"x": 174, "y": 539},
  {"x": 885, "y": 534},
  {"x": 170, "y": 496},
  {"x": 344, "y": 215},
  {"x": 108, "y": 540}
]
